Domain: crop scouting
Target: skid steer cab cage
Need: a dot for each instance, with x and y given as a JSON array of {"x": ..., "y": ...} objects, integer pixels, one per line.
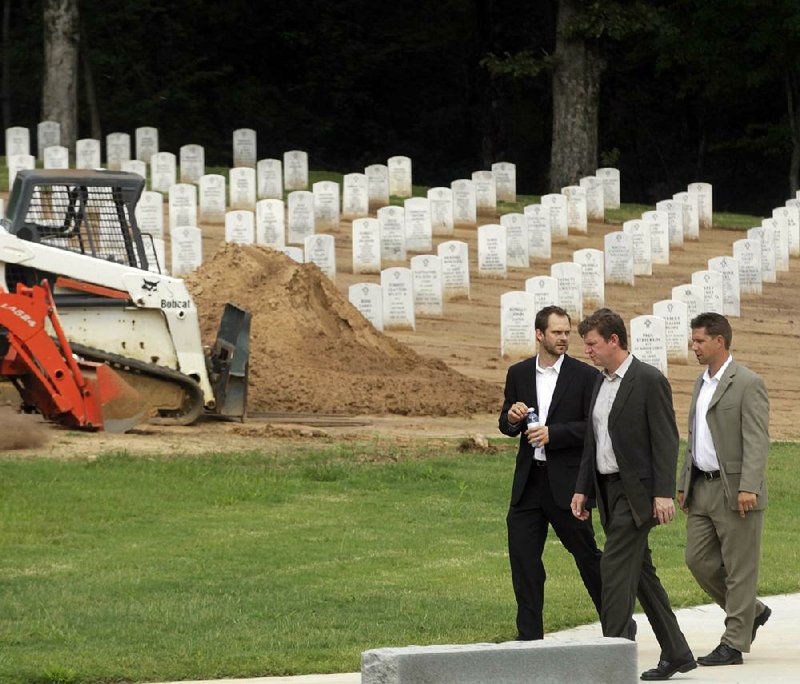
[{"x": 87, "y": 212}]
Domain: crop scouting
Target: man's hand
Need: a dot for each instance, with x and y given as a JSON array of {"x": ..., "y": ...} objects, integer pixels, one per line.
[
  {"x": 746, "y": 501},
  {"x": 578, "y": 506},
  {"x": 685, "y": 509},
  {"x": 517, "y": 412},
  {"x": 663, "y": 509},
  {"x": 538, "y": 436}
]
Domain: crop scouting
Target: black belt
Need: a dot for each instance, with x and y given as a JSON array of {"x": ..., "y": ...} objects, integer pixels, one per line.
[
  {"x": 539, "y": 463},
  {"x": 706, "y": 474},
  {"x": 610, "y": 477}
]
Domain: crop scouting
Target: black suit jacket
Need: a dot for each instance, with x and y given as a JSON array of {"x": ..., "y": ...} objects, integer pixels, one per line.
[
  {"x": 644, "y": 437},
  {"x": 566, "y": 420}
]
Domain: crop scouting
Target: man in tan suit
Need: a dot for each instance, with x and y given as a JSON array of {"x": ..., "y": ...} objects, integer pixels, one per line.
[{"x": 722, "y": 486}]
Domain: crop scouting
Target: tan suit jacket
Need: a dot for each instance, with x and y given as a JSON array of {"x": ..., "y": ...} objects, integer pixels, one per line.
[{"x": 738, "y": 417}]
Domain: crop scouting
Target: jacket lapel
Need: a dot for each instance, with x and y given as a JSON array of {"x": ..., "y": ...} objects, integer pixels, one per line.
[
  {"x": 724, "y": 382},
  {"x": 625, "y": 388},
  {"x": 563, "y": 381}
]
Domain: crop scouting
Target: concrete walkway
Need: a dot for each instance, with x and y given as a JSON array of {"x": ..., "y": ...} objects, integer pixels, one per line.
[{"x": 774, "y": 659}]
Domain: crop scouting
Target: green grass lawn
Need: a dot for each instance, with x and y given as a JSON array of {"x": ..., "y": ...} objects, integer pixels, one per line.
[{"x": 147, "y": 569}]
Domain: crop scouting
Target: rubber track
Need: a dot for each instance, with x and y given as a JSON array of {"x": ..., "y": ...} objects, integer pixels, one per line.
[{"x": 194, "y": 399}]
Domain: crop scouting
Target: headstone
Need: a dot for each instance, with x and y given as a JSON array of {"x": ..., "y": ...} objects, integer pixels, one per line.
[
  {"x": 492, "y": 251},
  {"x": 118, "y": 150},
  {"x": 326, "y": 205},
  {"x": 454, "y": 257},
  {"x": 397, "y": 286},
  {"x": 366, "y": 245},
  {"x": 766, "y": 237},
  {"x": 544, "y": 289},
  {"x": 321, "y": 250},
  {"x": 18, "y": 141},
  {"x": 577, "y": 220},
  {"x": 295, "y": 170},
  {"x": 377, "y": 185},
  {"x": 593, "y": 282},
  {"x": 748, "y": 253},
  {"x": 240, "y": 227},
  {"x": 419, "y": 237},
  {"x": 294, "y": 253},
  {"x": 676, "y": 327},
  {"x": 426, "y": 270},
  {"x": 399, "y": 176},
  {"x": 135, "y": 166},
  {"x": 516, "y": 239},
  {"x": 393, "y": 233},
  {"x": 16, "y": 163},
  {"x": 187, "y": 250},
  {"x": 649, "y": 341},
  {"x": 658, "y": 221},
  {"x": 182, "y": 205},
  {"x": 244, "y": 148},
  {"x": 271, "y": 223},
  {"x": 691, "y": 295},
  {"x": 48, "y": 134},
  {"x": 87, "y": 154},
  {"x": 156, "y": 251},
  {"x": 441, "y": 203},
  {"x": 212, "y": 198},
  {"x": 595, "y": 209},
  {"x": 780, "y": 233},
  {"x": 540, "y": 244},
  {"x": 642, "y": 245},
  {"x": 611, "y": 186},
  {"x": 556, "y": 206},
  {"x": 301, "y": 216},
  {"x": 731, "y": 297},
  {"x": 791, "y": 217},
  {"x": 485, "y": 193},
  {"x": 618, "y": 251},
  {"x": 703, "y": 193},
  {"x": 242, "y": 188},
  {"x": 150, "y": 214},
  {"x": 505, "y": 178},
  {"x": 269, "y": 179},
  {"x": 517, "y": 325},
  {"x": 465, "y": 213},
  {"x": 570, "y": 287},
  {"x": 674, "y": 211},
  {"x": 192, "y": 162},
  {"x": 146, "y": 143},
  {"x": 691, "y": 220},
  {"x": 368, "y": 299},
  {"x": 56, "y": 157},
  {"x": 711, "y": 283},
  {"x": 163, "y": 171},
  {"x": 355, "y": 203}
]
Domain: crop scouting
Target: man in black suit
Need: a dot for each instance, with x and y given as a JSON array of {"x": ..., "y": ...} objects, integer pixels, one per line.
[
  {"x": 629, "y": 462},
  {"x": 559, "y": 388}
]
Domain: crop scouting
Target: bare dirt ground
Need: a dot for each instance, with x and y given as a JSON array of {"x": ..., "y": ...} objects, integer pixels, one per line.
[{"x": 467, "y": 340}]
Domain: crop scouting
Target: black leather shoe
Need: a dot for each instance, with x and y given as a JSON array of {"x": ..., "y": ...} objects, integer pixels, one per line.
[
  {"x": 722, "y": 655},
  {"x": 759, "y": 621},
  {"x": 666, "y": 668}
]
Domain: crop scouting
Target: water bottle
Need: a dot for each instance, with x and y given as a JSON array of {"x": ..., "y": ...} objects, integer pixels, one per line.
[{"x": 532, "y": 421}]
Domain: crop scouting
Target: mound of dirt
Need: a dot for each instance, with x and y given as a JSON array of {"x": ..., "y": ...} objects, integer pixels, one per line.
[{"x": 312, "y": 351}]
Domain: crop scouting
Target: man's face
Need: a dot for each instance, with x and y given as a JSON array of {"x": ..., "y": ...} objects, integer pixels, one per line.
[
  {"x": 600, "y": 351},
  {"x": 706, "y": 348},
  {"x": 555, "y": 340}
]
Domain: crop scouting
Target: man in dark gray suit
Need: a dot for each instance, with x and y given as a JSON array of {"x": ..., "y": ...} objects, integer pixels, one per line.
[
  {"x": 629, "y": 461},
  {"x": 560, "y": 389}
]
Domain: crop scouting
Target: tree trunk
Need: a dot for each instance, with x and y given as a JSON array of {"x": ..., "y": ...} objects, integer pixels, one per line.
[
  {"x": 6, "y": 87},
  {"x": 60, "y": 88},
  {"x": 91, "y": 95},
  {"x": 576, "y": 94},
  {"x": 792, "y": 95}
]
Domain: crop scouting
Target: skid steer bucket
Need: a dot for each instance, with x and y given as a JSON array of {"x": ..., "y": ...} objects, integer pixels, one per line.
[
  {"x": 121, "y": 406},
  {"x": 230, "y": 363}
]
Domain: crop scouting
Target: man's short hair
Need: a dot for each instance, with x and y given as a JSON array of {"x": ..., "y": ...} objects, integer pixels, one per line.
[
  {"x": 543, "y": 316},
  {"x": 607, "y": 323},
  {"x": 714, "y": 324}
]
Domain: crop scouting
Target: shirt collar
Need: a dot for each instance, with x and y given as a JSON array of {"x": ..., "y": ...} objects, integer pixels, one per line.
[
  {"x": 556, "y": 366},
  {"x": 718, "y": 375},
  {"x": 623, "y": 368}
]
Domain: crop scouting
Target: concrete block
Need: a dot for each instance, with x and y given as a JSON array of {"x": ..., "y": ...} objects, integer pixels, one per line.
[{"x": 595, "y": 661}]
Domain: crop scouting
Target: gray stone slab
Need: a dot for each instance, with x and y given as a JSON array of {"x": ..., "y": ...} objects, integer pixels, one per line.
[{"x": 600, "y": 661}]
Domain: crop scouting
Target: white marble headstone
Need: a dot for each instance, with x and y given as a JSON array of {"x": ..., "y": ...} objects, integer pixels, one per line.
[
  {"x": 517, "y": 325},
  {"x": 87, "y": 154},
  {"x": 135, "y": 166},
  {"x": 592, "y": 263},
  {"x": 454, "y": 257},
  {"x": 419, "y": 236},
  {"x": 118, "y": 150},
  {"x": 649, "y": 341},
  {"x": 609, "y": 176},
  {"x": 540, "y": 244},
  {"x": 465, "y": 213},
  {"x": 674, "y": 211},
  {"x": 56, "y": 157},
  {"x": 192, "y": 159},
  {"x": 156, "y": 252},
  {"x": 269, "y": 179},
  {"x": 244, "y": 148},
  {"x": 556, "y": 205},
  {"x": 326, "y": 205},
  {"x": 366, "y": 245},
  {"x": 639, "y": 231},
  {"x": 485, "y": 193},
  {"x": 711, "y": 284},
  {"x": 368, "y": 299},
  {"x": 400, "y": 183},
  {"x": 149, "y": 213},
  {"x": 300, "y": 216},
  {"x": 658, "y": 221},
  {"x": 146, "y": 143},
  {"x": 397, "y": 286},
  {"x": 426, "y": 269},
  {"x": 505, "y": 178},
  {"x": 570, "y": 287},
  {"x": 377, "y": 185},
  {"x": 182, "y": 205},
  {"x": 240, "y": 227},
  {"x": 242, "y": 188},
  {"x": 691, "y": 295},
  {"x": 492, "y": 251},
  {"x": 441, "y": 203},
  {"x": 355, "y": 203},
  {"x": 393, "y": 233},
  {"x": 691, "y": 220},
  {"x": 187, "y": 250},
  {"x": 791, "y": 217},
  {"x": 212, "y": 198},
  {"x": 321, "y": 250},
  {"x": 748, "y": 253},
  {"x": 295, "y": 170},
  {"x": 704, "y": 194},
  {"x": 294, "y": 253},
  {"x": 676, "y": 327},
  {"x": 516, "y": 239},
  {"x": 18, "y": 141},
  {"x": 577, "y": 219},
  {"x": 618, "y": 251},
  {"x": 780, "y": 232},
  {"x": 48, "y": 134},
  {"x": 731, "y": 295},
  {"x": 271, "y": 223},
  {"x": 163, "y": 171},
  {"x": 595, "y": 208},
  {"x": 18, "y": 162},
  {"x": 766, "y": 236},
  {"x": 544, "y": 289}
]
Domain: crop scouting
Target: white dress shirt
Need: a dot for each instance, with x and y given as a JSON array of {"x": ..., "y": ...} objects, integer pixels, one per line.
[
  {"x": 546, "y": 379},
  {"x": 704, "y": 454},
  {"x": 606, "y": 458}
]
